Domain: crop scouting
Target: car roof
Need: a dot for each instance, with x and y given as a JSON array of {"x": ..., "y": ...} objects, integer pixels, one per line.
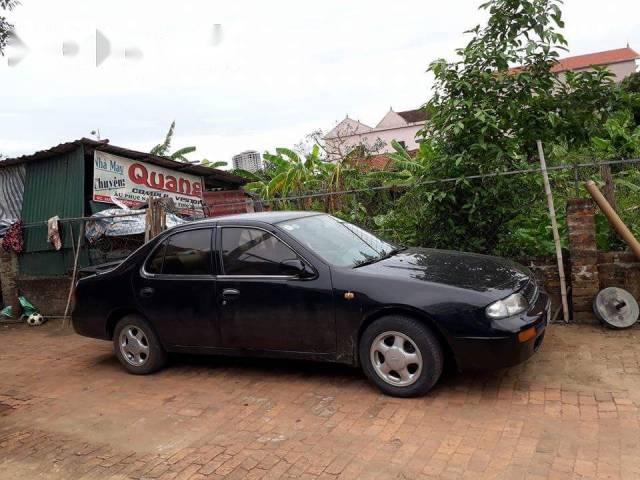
[{"x": 266, "y": 217}]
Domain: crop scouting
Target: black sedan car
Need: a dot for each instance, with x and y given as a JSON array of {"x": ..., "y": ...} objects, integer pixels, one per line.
[{"x": 311, "y": 286}]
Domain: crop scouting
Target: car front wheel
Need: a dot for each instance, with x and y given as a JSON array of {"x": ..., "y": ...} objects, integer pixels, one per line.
[
  {"x": 401, "y": 356},
  {"x": 137, "y": 347}
]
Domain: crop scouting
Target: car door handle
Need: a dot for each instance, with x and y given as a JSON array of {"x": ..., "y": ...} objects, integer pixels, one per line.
[
  {"x": 147, "y": 292},
  {"x": 230, "y": 293}
]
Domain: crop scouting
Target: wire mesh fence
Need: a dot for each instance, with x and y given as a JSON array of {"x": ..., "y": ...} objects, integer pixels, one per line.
[{"x": 567, "y": 179}]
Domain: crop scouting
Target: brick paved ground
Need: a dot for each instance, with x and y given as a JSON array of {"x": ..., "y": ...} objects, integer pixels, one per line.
[{"x": 68, "y": 411}]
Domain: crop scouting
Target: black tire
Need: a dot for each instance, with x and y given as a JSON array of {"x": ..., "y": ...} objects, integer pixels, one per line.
[
  {"x": 424, "y": 341},
  {"x": 155, "y": 356}
]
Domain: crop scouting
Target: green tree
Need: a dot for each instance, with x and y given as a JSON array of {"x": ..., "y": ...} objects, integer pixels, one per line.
[
  {"x": 630, "y": 88},
  {"x": 164, "y": 150},
  {"x": 287, "y": 174},
  {"x": 5, "y": 26},
  {"x": 486, "y": 115},
  {"x": 215, "y": 164}
]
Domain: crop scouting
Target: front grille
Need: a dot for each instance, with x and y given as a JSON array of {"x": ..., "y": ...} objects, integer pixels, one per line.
[{"x": 530, "y": 291}]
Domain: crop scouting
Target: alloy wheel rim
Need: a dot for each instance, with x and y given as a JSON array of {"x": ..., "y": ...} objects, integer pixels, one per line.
[
  {"x": 396, "y": 358},
  {"x": 134, "y": 345}
]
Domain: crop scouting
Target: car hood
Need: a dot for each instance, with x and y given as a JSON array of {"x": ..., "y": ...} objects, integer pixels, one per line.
[{"x": 469, "y": 271}]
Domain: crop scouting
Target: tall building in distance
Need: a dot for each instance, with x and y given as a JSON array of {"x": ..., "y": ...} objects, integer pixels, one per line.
[{"x": 251, "y": 160}]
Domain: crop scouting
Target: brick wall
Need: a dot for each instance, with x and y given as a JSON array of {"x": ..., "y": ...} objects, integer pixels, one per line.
[
  {"x": 47, "y": 294},
  {"x": 8, "y": 280},
  {"x": 546, "y": 271},
  {"x": 587, "y": 270},
  {"x": 619, "y": 269},
  {"x": 225, "y": 202},
  {"x": 585, "y": 280}
]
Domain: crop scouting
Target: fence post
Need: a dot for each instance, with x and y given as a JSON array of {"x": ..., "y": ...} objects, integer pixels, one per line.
[
  {"x": 609, "y": 189},
  {"x": 585, "y": 281}
]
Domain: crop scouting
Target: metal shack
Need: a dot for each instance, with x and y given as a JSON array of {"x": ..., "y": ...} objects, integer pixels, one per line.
[{"x": 79, "y": 179}]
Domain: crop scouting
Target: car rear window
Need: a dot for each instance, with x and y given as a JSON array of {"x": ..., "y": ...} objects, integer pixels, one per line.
[
  {"x": 185, "y": 253},
  {"x": 154, "y": 264}
]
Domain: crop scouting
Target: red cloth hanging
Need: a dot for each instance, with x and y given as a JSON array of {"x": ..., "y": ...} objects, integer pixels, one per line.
[{"x": 12, "y": 240}]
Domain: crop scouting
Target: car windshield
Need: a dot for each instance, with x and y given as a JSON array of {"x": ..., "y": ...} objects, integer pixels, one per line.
[{"x": 337, "y": 242}]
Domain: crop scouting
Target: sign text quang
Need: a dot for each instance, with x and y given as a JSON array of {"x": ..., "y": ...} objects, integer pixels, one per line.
[{"x": 132, "y": 183}]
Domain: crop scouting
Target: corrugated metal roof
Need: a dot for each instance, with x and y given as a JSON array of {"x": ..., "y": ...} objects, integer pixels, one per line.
[{"x": 212, "y": 177}]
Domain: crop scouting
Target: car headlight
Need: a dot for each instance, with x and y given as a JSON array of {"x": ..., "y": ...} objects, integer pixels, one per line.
[{"x": 507, "y": 307}]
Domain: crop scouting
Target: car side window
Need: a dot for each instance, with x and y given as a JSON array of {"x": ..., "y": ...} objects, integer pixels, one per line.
[
  {"x": 154, "y": 262},
  {"x": 187, "y": 253},
  {"x": 250, "y": 251}
]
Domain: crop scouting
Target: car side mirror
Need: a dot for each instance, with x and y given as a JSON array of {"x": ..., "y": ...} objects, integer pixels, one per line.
[{"x": 296, "y": 267}]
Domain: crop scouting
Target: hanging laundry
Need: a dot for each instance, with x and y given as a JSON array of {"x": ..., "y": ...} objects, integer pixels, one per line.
[
  {"x": 53, "y": 232},
  {"x": 12, "y": 240}
]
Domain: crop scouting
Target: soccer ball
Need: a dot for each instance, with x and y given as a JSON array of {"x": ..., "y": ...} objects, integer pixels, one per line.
[{"x": 35, "y": 319}]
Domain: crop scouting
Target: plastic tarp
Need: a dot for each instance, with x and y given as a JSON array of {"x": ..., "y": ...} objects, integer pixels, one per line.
[
  {"x": 11, "y": 195},
  {"x": 27, "y": 308},
  {"x": 128, "y": 222}
]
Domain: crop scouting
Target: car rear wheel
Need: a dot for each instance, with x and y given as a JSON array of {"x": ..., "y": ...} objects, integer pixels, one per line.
[
  {"x": 137, "y": 347},
  {"x": 401, "y": 356}
]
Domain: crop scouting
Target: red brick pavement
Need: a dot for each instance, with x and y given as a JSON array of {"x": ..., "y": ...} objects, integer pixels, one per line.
[{"x": 68, "y": 411}]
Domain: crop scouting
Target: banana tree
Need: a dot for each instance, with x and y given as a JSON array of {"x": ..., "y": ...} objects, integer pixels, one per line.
[
  {"x": 163, "y": 149},
  {"x": 210, "y": 164},
  {"x": 405, "y": 169},
  {"x": 337, "y": 176},
  {"x": 287, "y": 174}
]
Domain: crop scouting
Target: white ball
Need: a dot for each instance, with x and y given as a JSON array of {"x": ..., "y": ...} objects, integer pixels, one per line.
[{"x": 35, "y": 319}]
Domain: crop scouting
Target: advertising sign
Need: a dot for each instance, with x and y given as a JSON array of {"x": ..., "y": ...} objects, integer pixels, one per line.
[{"x": 132, "y": 183}]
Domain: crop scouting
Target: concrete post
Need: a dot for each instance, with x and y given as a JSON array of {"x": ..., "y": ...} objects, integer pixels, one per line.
[{"x": 585, "y": 282}]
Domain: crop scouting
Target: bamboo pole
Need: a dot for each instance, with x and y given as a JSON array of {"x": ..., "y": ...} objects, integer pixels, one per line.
[
  {"x": 65, "y": 321},
  {"x": 556, "y": 235},
  {"x": 614, "y": 219}
]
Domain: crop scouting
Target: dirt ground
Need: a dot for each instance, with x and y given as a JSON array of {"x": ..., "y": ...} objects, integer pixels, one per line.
[{"x": 68, "y": 411}]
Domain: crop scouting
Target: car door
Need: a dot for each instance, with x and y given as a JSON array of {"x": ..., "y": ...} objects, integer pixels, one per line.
[
  {"x": 176, "y": 289},
  {"x": 265, "y": 306}
]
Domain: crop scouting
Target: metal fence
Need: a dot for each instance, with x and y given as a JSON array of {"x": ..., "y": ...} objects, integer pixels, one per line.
[{"x": 565, "y": 177}]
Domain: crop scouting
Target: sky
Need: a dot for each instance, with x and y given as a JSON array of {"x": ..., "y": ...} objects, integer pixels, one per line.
[{"x": 239, "y": 75}]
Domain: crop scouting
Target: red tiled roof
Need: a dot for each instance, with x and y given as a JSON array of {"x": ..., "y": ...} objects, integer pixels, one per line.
[
  {"x": 375, "y": 162},
  {"x": 607, "y": 57},
  {"x": 414, "y": 116}
]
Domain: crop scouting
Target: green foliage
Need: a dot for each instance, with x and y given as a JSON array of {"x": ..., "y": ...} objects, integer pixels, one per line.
[
  {"x": 287, "y": 174},
  {"x": 630, "y": 89},
  {"x": 485, "y": 118},
  {"x": 5, "y": 26},
  {"x": 620, "y": 138},
  {"x": 208, "y": 163},
  {"x": 164, "y": 150}
]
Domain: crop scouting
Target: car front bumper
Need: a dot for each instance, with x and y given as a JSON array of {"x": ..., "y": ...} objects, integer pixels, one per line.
[{"x": 505, "y": 347}]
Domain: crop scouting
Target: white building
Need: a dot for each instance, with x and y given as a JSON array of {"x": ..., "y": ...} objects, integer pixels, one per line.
[
  {"x": 350, "y": 134},
  {"x": 251, "y": 160}
]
